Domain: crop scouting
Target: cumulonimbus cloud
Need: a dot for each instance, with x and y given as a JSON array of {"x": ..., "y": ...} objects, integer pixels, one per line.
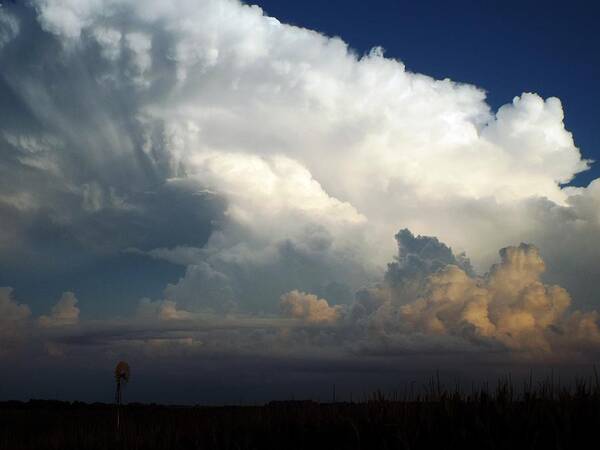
[{"x": 272, "y": 160}]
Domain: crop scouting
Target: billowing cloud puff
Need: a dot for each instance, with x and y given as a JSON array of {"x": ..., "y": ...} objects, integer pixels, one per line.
[
  {"x": 418, "y": 257},
  {"x": 308, "y": 307},
  {"x": 509, "y": 305},
  {"x": 250, "y": 182},
  {"x": 203, "y": 288},
  {"x": 65, "y": 312},
  {"x": 162, "y": 310}
]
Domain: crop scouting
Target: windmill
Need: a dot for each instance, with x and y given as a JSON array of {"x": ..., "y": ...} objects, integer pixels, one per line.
[{"x": 122, "y": 375}]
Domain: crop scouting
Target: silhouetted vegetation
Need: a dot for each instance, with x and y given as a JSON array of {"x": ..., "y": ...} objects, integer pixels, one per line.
[{"x": 534, "y": 416}]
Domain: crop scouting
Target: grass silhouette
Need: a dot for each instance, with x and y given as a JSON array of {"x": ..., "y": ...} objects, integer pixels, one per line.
[{"x": 533, "y": 415}]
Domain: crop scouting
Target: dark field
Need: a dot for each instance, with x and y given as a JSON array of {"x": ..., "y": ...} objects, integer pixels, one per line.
[{"x": 545, "y": 417}]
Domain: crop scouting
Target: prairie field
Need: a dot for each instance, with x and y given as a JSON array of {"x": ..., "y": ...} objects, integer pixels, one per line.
[{"x": 544, "y": 416}]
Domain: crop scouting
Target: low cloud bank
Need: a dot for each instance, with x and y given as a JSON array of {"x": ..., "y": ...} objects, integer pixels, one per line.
[{"x": 430, "y": 299}]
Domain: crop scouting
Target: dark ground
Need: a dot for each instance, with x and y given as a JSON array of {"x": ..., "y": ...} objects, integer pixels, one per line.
[{"x": 545, "y": 417}]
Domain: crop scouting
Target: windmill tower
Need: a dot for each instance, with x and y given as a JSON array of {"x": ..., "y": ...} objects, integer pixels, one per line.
[{"x": 122, "y": 375}]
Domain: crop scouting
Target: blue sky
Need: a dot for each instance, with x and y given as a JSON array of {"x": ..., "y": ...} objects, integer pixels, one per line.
[{"x": 506, "y": 47}]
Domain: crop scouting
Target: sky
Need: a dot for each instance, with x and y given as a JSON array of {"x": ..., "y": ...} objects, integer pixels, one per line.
[{"x": 249, "y": 202}]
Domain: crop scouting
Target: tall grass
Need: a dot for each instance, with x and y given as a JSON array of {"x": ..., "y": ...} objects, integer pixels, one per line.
[{"x": 544, "y": 414}]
